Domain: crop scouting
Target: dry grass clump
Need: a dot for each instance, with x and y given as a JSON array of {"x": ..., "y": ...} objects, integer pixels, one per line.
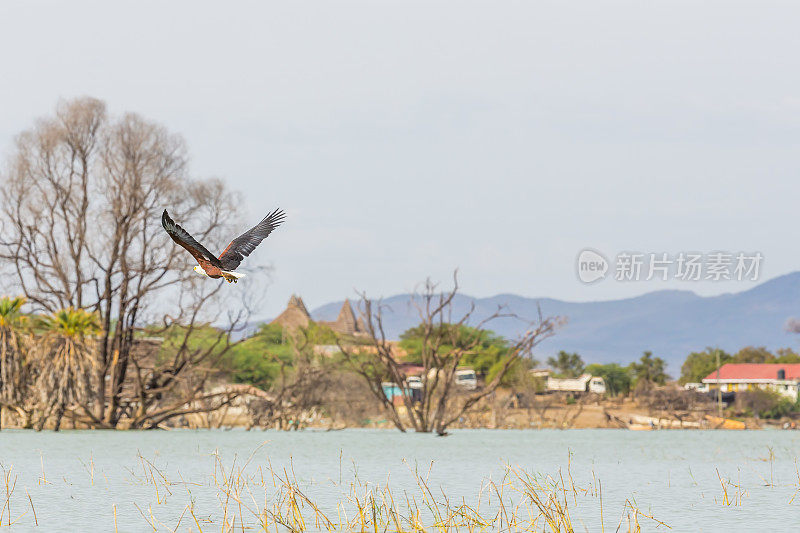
[
  {"x": 271, "y": 499},
  {"x": 253, "y": 495},
  {"x": 244, "y": 497},
  {"x": 9, "y": 486}
]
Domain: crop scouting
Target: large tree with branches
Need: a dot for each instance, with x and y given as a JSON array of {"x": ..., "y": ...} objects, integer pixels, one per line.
[
  {"x": 81, "y": 200},
  {"x": 443, "y": 349}
]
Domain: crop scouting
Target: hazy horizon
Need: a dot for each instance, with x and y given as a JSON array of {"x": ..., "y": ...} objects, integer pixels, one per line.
[
  {"x": 501, "y": 139},
  {"x": 745, "y": 288}
]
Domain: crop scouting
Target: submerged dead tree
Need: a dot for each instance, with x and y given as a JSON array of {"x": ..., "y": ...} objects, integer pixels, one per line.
[
  {"x": 443, "y": 348},
  {"x": 298, "y": 392},
  {"x": 81, "y": 200}
]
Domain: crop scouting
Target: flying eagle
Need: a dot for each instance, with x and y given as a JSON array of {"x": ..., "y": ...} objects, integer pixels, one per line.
[{"x": 239, "y": 248}]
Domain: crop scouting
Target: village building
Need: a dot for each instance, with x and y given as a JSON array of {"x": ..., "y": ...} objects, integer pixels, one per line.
[
  {"x": 296, "y": 315},
  {"x": 738, "y": 377}
]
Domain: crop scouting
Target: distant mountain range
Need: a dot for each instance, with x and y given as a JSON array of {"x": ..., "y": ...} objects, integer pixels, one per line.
[{"x": 669, "y": 323}]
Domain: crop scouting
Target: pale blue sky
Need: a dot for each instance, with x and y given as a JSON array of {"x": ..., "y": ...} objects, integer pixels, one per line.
[{"x": 405, "y": 139}]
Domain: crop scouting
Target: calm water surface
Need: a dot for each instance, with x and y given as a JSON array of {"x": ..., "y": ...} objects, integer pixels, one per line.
[{"x": 671, "y": 474}]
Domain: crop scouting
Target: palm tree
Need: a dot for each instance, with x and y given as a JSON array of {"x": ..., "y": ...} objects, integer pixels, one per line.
[
  {"x": 67, "y": 355},
  {"x": 13, "y": 351}
]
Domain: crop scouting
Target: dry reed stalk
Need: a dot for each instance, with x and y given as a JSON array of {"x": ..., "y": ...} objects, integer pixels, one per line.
[
  {"x": 797, "y": 472},
  {"x": 253, "y": 497}
]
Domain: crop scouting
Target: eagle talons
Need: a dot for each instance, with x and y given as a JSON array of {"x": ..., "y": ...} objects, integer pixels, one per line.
[{"x": 230, "y": 279}]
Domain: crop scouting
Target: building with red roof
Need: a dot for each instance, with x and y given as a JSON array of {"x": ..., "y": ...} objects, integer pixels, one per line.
[{"x": 781, "y": 378}]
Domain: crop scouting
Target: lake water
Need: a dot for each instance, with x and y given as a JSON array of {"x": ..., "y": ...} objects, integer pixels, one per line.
[{"x": 77, "y": 481}]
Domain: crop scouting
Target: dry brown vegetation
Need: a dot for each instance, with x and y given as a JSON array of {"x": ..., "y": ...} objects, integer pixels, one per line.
[
  {"x": 234, "y": 494},
  {"x": 81, "y": 198},
  {"x": 258, "y": 497},
  {"x": 443, "y": 348}
]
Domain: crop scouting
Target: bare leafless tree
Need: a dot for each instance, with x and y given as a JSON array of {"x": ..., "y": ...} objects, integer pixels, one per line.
[
  {"x": 298, "y": 393},
  {"x": 81, "y": 203},
  {"x": 443, "y": 350}
]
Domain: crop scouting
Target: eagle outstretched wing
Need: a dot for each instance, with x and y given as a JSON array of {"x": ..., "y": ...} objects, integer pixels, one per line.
[
  {"x": 244, "y": 244},
  {"x": 182, "y": 237}
]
